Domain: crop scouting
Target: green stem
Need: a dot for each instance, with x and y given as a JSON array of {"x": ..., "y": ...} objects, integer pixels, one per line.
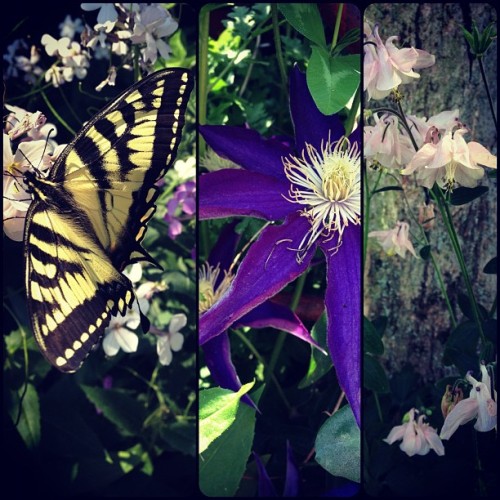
[
  {"x": 337, "y": 27},
  {"x": 277, "y": 44},
  {"x": 278, "y": 346},
  {"x": 57, "y": 115},
  {"x": 437, "y": 195},
  {"x": 203, "y": 74},
  {"x": 493, "y": 309},
  {"x": 366, "y": 214},
  {"x": 377, "y": 404},
  {"x": 261, "y": 360},
  {"x": 485, "y": 81}
]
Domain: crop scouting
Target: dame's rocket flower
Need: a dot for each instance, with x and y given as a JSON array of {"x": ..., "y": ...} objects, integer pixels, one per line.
[
  {"x": 479, "y": 405},
  {"x": 315, "y": 188}
]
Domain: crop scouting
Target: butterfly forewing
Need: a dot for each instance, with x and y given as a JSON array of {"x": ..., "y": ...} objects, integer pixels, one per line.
[{"x": 89, "y": 216}]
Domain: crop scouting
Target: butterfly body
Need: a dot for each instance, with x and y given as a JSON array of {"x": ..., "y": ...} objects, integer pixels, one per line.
[{"x": 89, "y": 215}]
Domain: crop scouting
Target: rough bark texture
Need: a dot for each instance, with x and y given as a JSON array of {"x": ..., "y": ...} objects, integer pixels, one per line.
[{"x": 406, "y": 290}]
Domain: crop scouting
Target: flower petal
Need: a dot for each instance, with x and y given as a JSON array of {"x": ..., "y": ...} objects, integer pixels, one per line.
[
  {"x": 292, "y": 474},
  {"x": 269, "y": 266},
  {"x": 462, "y": 413},
  {"x": 265, "y": 487},
  {"x": 177, "y": 322},
  {"x": 217, "y": 353},
  {"x": 311, "y": 125},
  {"x": 246, "y": 148},
  {"x": 279, "y": 317},
  {"x": 222, "y": 252},
  {"x": 343, "y": 306},
  {"x": 228, "y": 192},
  {"x": 396, "y": 434}
]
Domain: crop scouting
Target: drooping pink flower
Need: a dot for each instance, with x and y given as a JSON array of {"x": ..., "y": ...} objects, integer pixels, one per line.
[
  {"x": 450, "y": 162},
  {"x": 385, "y": 66},
  {"x": 479, "y": 405},
  {"x": 395, "y": 240},
  {"x": 418, "y": 437}
]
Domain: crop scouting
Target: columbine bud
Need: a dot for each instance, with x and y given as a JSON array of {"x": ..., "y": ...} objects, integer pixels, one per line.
[
  {"x": 426, "y": 216},
  {"x": 450, "y": 399}
]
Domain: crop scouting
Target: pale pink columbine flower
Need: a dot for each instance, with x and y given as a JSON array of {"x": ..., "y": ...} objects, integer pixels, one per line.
[
  {"x": 395, "y": 240},
  {"x": 479, "y": 405},
  {"x": 450, "y": 162},
  {"x": 152, "y": 24},
  {"x": 385, "y": 144},
  {"x": 428, "y": 130},
  {"x": 385, "y": 66},
  {"x": 172, "y": 340},
  {"x": 418, "y": 437}
]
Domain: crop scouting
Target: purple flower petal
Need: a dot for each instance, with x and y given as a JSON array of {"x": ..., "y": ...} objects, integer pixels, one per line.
[
  {"x": 279, "y": 317},
  {"x": 268, "y": 267},
  {"x": 246, "y": 148},
  {"x": 343, "y": 306},
  {"x": 218, "y": 360},
  {"x": 265, "y": 487},
  {"x": 230, "y": 192},
  {"x": 311, "y": 126},
  {"x": 292, "y": 474}
]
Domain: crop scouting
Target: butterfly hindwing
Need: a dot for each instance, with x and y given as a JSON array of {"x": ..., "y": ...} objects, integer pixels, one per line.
[{"x": 89, "y": 215}]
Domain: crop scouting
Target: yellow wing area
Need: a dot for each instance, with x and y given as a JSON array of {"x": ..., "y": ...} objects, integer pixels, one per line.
[
  {"x": 73, "y": 288},
  {"x": 110, "y": 169}
]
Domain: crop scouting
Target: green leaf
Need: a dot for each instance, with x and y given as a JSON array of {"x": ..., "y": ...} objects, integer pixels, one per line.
[
  {"x": 319, "y": 364},
  {"x": 338, "y": 445},
  {"x": 374, "y": 376},
  {"x": 461, "y": 347},
  {"x": 223, "y": 463},
  {"x": 29, "y": 420},
  {"x": 466, "y": 307},
  {"x": 463, "y": 195},
  {"x": 332, "y": 81},
  {"x": 491, "y": 266},
  {"x": 217, "y": 412},
  {"x": 380, "y": 324},
  {"x": 306, "y": 19},
  {"x": 425, "y": 252},
  {"x": 181, "y": 436},
  {"x": 372, "y": 342},
  {"x": 118, "y": 407}
]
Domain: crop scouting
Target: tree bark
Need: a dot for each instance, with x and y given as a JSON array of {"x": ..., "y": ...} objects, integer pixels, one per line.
[{"x": 406, "y": 290}]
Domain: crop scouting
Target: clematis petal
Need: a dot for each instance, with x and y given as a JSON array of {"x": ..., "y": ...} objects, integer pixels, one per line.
[
  {"x": 311, "y": 126},
  {"x": 462, "y": 413},
  {"x": 265, "y": 487},
  {"x": 292, "y": 474},
  {"x": 279, "y": 317},
  {"x": 269, "y": 266},
  {"x": 222, "y": 252},
  {"x": 228, "y": 192},
  {"x": 343, "y": 306},
  {"x": 246, "y": 148}
]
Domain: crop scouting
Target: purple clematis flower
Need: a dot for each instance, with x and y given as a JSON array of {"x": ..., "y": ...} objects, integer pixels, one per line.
[
  {"x": 217, "y": 350},
  {"x": 315, "y": 188}
]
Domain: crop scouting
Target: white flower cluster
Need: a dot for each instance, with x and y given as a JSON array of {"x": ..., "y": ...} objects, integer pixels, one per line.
[{"x": 119, "y": 28}]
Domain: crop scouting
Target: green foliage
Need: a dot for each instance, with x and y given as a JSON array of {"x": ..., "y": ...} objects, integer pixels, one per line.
[
  {"x": 217, "y": 412},
  {"x": 463, "y": 195},
  {"x": 479, "y": 42},
  {"x": 338, "y": 445},
  {"x": 223, "y": 463},
  {"x": 374, "y": 376},
  {"x": 306, "y": 19}
]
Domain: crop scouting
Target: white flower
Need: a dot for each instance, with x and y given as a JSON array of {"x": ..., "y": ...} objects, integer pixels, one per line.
[
  {"x": 16, "y": 200},
  {"x": 70, "y": 28},
  {"x": 172, "y": 340},
  {"x": 418, "y": 438},
  {"x": 479, "y": 405},
  {"x": 151, "y": 24},
  {"x": 107, "y": 11},
  {"x": 186, "y": 169},
  {"x": 395, "y": 240},
  {"x": 109, "y": 80}
]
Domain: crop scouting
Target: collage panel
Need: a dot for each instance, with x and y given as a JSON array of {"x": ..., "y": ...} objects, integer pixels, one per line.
[
  {"x": 99, "y": 140},
  {"x": 279, "y": 249},
  {"x": 430, "y": 238}
]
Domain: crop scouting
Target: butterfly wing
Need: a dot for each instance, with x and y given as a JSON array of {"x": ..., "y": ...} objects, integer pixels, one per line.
[
  {"x": 111, "y": 167},
  {"x": 73, "y": 288}
]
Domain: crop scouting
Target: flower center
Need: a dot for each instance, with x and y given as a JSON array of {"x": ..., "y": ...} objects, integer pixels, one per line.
[
  {"x": 209, "y": 292},
  {"x": 328, "y": 184}
]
